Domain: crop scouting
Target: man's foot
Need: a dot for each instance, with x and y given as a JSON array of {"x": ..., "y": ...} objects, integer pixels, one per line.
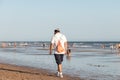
[
  {"x": 61, "y": 75},
  {"x": 58, "y": 74}
]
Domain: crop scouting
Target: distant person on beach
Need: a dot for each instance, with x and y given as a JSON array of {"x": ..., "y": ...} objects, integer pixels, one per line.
[
  {"x": 4, "y": 45},
  {"x": 68, "y": 54},
  {"x": 14, "y": 44},
  {"x": 43, "y": 45},
  {"x": 112, "y": 47},
  {"x": 118, "y": 47},
  {"x": 103, "y": 46},
  {"x": 59, "y": 43}
]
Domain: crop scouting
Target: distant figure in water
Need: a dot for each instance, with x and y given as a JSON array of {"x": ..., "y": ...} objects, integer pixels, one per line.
[
  {"x": 103, "y": 46},
  {"x": 14, "y": 44},
  {"x": 43, "y": 45},
  {"x": 118, "y": 47},
  {"x": 112, "y": 47},
  {"x": 69, "y": 52},
  {"x": 3, "y": 45}
]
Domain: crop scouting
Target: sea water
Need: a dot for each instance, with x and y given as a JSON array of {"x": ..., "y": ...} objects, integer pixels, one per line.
[{"x": 84, "y": 62}]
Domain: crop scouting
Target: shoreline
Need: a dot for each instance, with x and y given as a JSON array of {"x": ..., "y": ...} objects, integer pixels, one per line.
[{"x": 14, "y": 72}]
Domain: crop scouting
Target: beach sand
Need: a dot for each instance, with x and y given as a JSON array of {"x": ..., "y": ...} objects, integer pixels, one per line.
[{"x": 13, "y": 72}]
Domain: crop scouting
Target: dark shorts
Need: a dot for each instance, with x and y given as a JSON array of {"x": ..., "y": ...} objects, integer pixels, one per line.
[{"x": 59, "y": 58}]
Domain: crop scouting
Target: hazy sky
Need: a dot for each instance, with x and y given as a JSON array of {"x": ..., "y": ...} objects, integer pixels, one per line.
[{"x": 81, "y": 20}]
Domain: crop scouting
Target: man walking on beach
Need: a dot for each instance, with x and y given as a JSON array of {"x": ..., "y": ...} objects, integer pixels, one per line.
[{"x": 59, "y": 43}]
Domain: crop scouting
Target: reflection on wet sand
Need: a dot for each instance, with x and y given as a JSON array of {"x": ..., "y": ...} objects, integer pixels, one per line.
[{"x": 68, "y": 58}]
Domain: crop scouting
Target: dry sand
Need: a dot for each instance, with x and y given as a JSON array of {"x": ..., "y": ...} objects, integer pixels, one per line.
[{"x": 13, "y": 72}]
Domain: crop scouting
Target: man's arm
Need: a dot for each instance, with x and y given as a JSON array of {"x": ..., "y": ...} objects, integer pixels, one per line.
[{"x": 51, "y": 47}]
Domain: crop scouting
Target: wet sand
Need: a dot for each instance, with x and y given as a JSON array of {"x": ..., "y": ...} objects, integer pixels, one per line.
[{"x": 13, "y": 72}]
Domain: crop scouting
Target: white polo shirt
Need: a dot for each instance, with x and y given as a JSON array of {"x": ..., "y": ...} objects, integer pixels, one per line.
[{"x": 55, "y": 38}]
